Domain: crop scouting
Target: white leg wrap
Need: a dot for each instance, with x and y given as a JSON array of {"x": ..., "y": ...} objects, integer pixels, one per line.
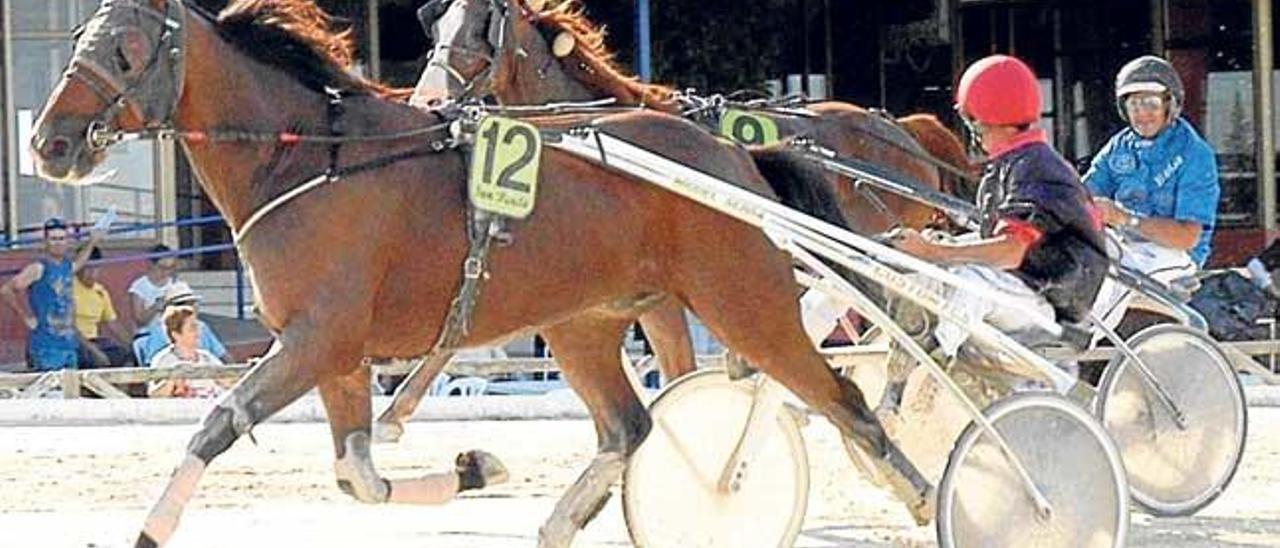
[
  {"x": 355, "y": 471},
  {"x": 164, "y": 516},
  {"x": 434, "y": 489},
  {"x": 388, "y": 431}
]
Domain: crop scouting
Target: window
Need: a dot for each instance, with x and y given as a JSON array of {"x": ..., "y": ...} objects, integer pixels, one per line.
[
  {"x": 41, "y": 46},
  {"x": 1229, "y": 129}
]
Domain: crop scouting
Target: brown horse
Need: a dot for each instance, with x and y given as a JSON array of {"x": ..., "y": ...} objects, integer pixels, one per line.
[
  {"x": 526, "y": 55},
  {"x": 366, "y": 260},
  {"x": 519, "y": 65}
]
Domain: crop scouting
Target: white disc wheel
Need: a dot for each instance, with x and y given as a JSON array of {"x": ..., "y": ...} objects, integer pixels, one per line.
[
  {"x": 982, "y": 501},
  {"x": 670, "y": 494},
  {"x": 1175, "y": 470}
]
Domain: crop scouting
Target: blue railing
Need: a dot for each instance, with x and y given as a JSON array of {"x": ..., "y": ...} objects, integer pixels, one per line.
[
  {"x": 119, "y": 228},
  {"x": 241, "y": 294}
]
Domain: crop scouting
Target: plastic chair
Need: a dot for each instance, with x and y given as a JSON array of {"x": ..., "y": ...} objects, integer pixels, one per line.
[
  {"x": 139, "y": 347},
  {"x": 467, "y": 386},
  {"x": 439, "y": 386}
]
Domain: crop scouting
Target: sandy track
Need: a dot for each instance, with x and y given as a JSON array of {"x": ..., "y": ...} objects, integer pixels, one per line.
[{"x": 90, "y": 486}]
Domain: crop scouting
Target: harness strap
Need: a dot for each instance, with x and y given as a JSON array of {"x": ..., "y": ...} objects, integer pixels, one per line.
[
  {"x": 860, "y": 185},
  {"x": 481, "y": 228},
  {"x": 927, "y": 157},
  {"x": 329, "y": 176},
  {"x": 334, "y": 110}
]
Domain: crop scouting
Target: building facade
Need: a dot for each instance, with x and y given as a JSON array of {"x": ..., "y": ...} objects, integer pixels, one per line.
[{"x": 903, "y": 55}]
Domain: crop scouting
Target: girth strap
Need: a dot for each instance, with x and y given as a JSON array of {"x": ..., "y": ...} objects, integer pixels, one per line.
[{"x": 481, "y": 229}]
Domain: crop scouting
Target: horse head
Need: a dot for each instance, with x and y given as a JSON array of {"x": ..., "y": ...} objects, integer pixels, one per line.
[
  {"x": 521, "y": 52},
  {"x": 125, "y": 74},
  {"x": 471, "y": 39}
]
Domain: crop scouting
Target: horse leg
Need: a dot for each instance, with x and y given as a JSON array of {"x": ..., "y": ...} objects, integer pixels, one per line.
[
  {"x": 665, "y": 326},
  {"x": 346, "y": 401},
  {"x": 284, "y": 374},
  {"x": 918, "y": 323},
  {"x": 668, "y": 332},
  {"x": 409, "y": 394},
  {"x": 766, "y": 330},
  {"x": 586, "y": 348}
]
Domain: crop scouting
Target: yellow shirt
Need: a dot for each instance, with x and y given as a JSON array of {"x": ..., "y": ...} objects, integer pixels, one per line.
[{"x": 93, "y": 305}]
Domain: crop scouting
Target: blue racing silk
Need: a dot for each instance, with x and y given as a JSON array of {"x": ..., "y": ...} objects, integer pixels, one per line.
[{"x": 1173, "y": 176}]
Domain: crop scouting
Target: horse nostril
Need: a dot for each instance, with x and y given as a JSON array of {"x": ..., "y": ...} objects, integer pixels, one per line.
[{"x": 57, "y": 148}]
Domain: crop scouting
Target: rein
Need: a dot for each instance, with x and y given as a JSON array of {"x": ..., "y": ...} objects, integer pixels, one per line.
[{"x": 794, "y": 106}]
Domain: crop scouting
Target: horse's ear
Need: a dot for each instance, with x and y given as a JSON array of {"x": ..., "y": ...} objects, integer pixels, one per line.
[
  {"x": 428, "y": 13},
  {"x": 563, "y": 44},
  {"x": 534, "y": 5}
]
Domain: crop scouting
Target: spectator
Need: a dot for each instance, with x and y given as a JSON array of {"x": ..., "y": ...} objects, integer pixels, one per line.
[
  {"x": 146, "y": 294},
  {"x": 156, "y": 338},
  {"x": 93, "y": 310},
  {"x": 47, "y": 281},
  {"x": 182, "y": 327}
]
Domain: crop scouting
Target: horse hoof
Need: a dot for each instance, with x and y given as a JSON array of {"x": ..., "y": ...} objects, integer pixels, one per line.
[
  {"x": 387, "y": 432},
  {"x": 477, "y": 469},
  {"x": 145, "y": 541},
  {"x": 924, "y": 509}
]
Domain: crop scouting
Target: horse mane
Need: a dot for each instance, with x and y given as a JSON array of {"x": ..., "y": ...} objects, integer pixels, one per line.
[
  {"x": 600, "y": 70},
  {"x": 299, "y": 38}
]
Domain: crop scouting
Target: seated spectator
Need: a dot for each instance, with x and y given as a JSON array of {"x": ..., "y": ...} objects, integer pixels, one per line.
[
  {"x": 93, "y": 309},
  {"x": 146, "y": 294},
  {"x": 179, "y": 294},
  {"x": 182, "y": 327}
]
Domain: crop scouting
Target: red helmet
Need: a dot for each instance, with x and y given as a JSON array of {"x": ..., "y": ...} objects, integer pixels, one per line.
[{"x": 999, "y": 91}]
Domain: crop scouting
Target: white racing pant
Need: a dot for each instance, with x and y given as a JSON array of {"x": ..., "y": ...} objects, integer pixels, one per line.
[
  {"x": 820, "y": 312},
  {"x": 1162, "y": 263}
]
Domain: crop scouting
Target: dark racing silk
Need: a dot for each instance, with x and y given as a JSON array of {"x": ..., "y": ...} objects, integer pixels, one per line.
[{"x": 1030, "y": 193}]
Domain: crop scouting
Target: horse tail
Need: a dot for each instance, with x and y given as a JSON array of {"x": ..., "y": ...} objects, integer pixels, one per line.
[
  {"x": 944, "y": 145},
  {"x": 798, "y": 183}
]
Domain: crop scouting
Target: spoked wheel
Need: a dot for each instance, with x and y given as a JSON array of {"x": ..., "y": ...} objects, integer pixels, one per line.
[
  {"x": 1175, "y": 470},
  {"x": 1068, "y": 456},
  {"x": 670, "y": 494}
]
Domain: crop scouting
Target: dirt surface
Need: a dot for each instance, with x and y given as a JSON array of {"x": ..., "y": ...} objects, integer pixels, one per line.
[{"x": 90, "y": 486}]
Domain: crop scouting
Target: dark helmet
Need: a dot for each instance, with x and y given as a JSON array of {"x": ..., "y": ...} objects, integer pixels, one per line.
[{"x": 1150, "y": 74}]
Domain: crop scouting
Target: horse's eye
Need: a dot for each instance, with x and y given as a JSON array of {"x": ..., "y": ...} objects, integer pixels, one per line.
[
  {"x": 122, "y": 61},
  {"x": 132, "y": 50}
]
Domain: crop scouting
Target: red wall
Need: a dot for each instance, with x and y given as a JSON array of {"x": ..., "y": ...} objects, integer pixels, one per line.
[{"x": 1233, "y": 247}]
